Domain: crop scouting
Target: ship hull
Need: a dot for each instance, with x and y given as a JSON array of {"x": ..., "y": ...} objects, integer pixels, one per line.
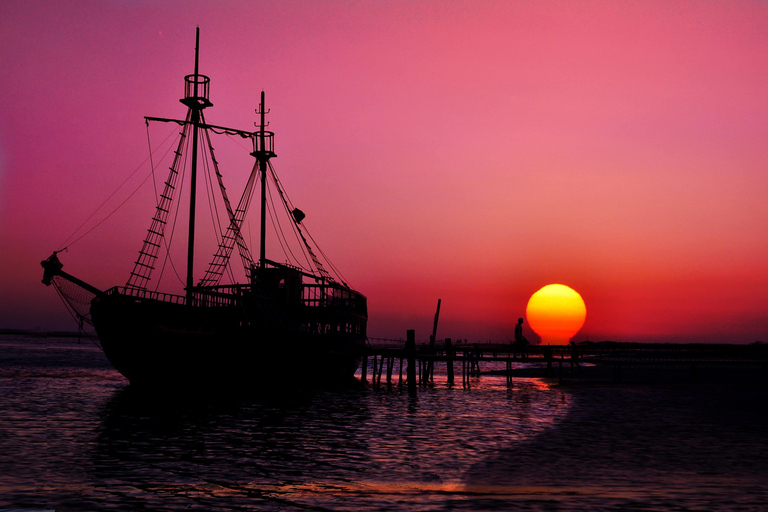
[{"x": 155, "y": 343}]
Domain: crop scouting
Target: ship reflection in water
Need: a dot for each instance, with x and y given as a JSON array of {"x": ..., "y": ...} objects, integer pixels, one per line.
[
  {"x": 76, "y": 438},
  {"x": 352, "y": 448}
]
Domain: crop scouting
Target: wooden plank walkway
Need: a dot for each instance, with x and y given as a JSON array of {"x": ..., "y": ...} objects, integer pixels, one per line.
[{"x": 418, "y": 362}]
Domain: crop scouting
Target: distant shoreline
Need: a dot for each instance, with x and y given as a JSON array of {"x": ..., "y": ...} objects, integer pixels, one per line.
[
  {"x": 483, "y": 345},
  {"x": 47, "y": 334}
]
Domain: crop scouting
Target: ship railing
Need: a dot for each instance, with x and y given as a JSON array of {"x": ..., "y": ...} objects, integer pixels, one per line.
[
  {"x": 329, "y": 295},
  {"x": 147, "y": 294},
  {"x": 225, "y": 288},
  {"x": 221, "y": 296}
]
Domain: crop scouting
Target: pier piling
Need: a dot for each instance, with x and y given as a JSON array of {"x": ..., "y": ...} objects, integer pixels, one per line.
[
  {"x": 410, "y": 348},
  {"x": 381, "y": 366},
  {"x": 449, "y": 353}
]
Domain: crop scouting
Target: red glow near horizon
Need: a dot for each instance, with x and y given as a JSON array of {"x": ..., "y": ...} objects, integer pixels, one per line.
[{"x": 472, "y": 153}]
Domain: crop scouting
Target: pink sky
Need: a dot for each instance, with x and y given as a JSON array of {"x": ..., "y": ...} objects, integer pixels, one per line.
[{"x": 468, "y": 151}]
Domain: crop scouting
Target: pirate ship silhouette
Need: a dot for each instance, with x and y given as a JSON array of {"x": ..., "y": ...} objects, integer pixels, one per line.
[{"x": 246, "y": 332}]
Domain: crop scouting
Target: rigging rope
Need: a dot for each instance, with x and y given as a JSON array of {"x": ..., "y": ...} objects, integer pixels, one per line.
[
  {"x": 151, "y": 163},
  {"x": 168, "y": 241},
  {"x": 213, "y": 208},
  {"x": 69, "y": 242},
  {"x": 235, "y": 222},
  {"x": 277, "y": 226},
  {"x": 289, "y": 208},
  {"x": 236, "y": 218},
  {"x": 238, "y": 142},
  {"x": 217, "y": 229},
  {"x": 327, "y": 260},
  {"x": 220, "y": 130},
  {"x": 148, "y": 254}
]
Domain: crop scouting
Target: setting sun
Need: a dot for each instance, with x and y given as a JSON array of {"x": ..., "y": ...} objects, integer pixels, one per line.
[{"x": 556, "y": 313}]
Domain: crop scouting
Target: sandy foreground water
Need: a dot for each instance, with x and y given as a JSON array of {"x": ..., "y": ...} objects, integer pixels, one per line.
[
  {"x": 74, "y": 437},
  {"x": 666, "y": 437}
]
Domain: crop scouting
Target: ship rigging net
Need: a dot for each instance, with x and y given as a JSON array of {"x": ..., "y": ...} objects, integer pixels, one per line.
[{"x": 76, "y": 298}]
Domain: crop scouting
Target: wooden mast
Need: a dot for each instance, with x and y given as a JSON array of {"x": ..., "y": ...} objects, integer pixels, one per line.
[
  {"x": 263, "y": 168},
  {"x": 263, "y": 150},
  {"x": 196, "y": 100},
  {"x": 193, "y": 178}
]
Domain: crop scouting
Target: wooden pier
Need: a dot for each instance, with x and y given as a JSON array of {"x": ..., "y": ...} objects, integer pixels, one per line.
[{"x": 412, "y": 365}]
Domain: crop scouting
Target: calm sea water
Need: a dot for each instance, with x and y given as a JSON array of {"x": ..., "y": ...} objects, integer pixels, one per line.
[{"x": 75, "y": 436}]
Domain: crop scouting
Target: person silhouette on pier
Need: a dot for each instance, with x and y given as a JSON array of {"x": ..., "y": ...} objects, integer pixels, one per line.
[
  {"x": 574, "y": 354},
  {"x": 521, "y": 343}
]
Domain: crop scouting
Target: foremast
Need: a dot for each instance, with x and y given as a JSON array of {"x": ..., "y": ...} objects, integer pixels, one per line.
[{"x": 196, "y": 98}]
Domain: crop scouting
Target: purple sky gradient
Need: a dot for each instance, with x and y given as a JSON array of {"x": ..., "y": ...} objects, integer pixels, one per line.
[{"x": 468, "y": 151}]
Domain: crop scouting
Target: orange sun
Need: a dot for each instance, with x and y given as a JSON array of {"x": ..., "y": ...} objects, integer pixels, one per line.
[{"x": 556, "y": 313}]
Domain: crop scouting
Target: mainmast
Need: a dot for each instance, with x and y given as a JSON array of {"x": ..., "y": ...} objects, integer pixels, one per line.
[
  {"x": 196, "y": 98},
  {"x": 263, "y": 150}
]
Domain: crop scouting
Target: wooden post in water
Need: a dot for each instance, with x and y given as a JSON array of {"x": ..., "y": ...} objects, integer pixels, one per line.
[
  {"x": 449, "y": 360},
  {"x": 430, "y": 365},
  {"x": 390, "y": 364},
  {"x": 410, "y": 348},
  {"x": 373, "y": 373},
  {"x": 364, "y": 370},
  {"x": 548, "y": 357},
  {"x": 421, "y": 363},
  {"x": 464, "y": 365},
  {"x": 381, "y": 368},
  {"x": 469, "y": 368}
]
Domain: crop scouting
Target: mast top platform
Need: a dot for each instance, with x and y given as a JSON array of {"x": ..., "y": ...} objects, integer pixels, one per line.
[
  {"x": 196, "y": 89},
  {"x": 263, "y": 145},
  {"x": 196, "y": 86},
  {"x": 263, "y": 140}
]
